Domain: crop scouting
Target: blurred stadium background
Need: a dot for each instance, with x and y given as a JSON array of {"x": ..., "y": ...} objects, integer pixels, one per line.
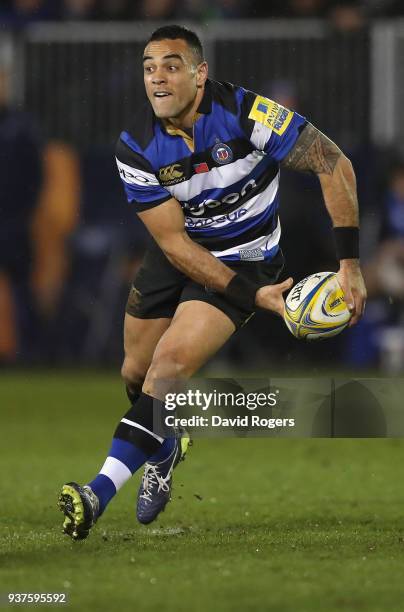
[{"x": 70, "y": 80}]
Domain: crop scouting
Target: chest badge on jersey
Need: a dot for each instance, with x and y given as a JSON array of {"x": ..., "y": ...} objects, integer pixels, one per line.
[{"x": 222, "y": 154}]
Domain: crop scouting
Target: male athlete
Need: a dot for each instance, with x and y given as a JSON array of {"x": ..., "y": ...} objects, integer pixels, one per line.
[{"x": 200, "y": 166}]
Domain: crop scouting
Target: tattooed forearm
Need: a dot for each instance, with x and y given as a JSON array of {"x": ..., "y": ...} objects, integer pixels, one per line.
[{"x": 313, "y": 152}]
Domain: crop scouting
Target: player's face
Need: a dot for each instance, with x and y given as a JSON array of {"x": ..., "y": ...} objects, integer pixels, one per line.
[{"x": 172, "y": 77}]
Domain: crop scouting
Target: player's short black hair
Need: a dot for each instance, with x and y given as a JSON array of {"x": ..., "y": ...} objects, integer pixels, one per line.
[{"x": 172, "y": 32}]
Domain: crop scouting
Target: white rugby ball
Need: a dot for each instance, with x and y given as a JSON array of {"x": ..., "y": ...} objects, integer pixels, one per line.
[{"x": 315, "y": 307}]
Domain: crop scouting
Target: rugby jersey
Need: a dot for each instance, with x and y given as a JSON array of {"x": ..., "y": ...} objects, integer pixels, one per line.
[{"x": 226, "y": 178}]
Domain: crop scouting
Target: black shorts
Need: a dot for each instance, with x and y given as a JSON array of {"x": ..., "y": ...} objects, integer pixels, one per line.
[{"x": 159, "y": 287}]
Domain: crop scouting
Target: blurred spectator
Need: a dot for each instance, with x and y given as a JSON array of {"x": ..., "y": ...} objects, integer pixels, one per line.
[
  {"x": 116, "y": 9},
  {"x": 40, "y": 188},
  {"x": 18, "y": 13},
  {"x": 54, "y": 220},
  {"x": 157, "y": 9},
  {"x": 229, "y": 9},
  {"x": 193, "y": 9},
  {"x": 80, "y": 10},
  {"x": 379, "y": 337},
  {"x": 385, "y": 273},
  {"x": 283, "y": 91},
  {"x": 347, "y": 16},
  {"x": 20, "y": 182},
  {"x": 289, "y": 8}
]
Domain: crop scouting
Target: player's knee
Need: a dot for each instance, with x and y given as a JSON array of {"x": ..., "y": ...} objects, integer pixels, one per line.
[{"x": 167, "y": 365}]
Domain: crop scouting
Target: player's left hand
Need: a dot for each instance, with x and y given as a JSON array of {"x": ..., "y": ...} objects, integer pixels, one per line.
[{"x": 352, "y": 283}]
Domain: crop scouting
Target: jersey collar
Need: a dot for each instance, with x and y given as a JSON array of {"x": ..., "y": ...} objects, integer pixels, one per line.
[{"x": 205, "y": 107}]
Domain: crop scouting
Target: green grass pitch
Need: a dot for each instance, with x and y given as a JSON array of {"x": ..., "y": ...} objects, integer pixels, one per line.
[{"x": 283, "y": 525}]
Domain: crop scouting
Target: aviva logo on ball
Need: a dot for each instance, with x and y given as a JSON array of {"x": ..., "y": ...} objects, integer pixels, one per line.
[{"x": 315, "y": 308}]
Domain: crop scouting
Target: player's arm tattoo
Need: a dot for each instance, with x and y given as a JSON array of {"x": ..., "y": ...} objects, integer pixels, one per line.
[{"x": 313, "y": 152}]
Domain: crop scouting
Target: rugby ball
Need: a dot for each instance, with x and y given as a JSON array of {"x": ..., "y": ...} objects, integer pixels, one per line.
[{"x": 315, "y": 308}]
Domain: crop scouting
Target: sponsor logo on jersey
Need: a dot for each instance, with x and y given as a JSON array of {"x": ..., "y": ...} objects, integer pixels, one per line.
[
  {"x": 271, "y": 114},
  {"x": 198, "y": 209},
  {"x": 251, "y": 254},
  {"x": 199, "y": 168},
  {"x": 171, "y": 175},
  {"x": 191, "y": 223},
  {"x": 262, "y": 108},
  {"x": 221, "y": 153},
  {"x": 133, "y": 176}
]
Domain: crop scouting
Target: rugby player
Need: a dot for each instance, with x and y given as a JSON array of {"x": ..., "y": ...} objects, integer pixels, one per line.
[{"x": 200, "y": 166}]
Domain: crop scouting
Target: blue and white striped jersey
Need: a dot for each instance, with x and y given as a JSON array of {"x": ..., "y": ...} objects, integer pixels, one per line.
[{"x": 226, "y": 177}]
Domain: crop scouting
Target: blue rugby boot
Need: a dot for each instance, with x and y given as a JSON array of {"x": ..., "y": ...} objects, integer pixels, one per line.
[
  {"x": 155, "y": 489},
  {"x": 80, "y": 506}
]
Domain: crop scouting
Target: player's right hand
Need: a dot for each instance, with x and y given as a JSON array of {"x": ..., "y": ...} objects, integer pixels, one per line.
[
  {"x": 353, "y": 286},
  {"x": 270, "y": 297}
]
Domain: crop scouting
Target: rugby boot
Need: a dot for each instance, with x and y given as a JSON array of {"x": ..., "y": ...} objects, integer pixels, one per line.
[
  {"x": 155, "y": 489},
  {"x": 80, "y": 506}
]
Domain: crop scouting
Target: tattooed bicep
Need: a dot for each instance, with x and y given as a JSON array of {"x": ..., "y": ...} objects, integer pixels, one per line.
[{"x": 313, "y": 152}]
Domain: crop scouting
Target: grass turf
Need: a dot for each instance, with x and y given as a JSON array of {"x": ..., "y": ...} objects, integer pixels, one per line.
[{"x": 259, "y": 524}]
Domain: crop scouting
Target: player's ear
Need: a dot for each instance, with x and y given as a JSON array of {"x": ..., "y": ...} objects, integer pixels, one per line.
[{"x": 201, "y": 74}]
